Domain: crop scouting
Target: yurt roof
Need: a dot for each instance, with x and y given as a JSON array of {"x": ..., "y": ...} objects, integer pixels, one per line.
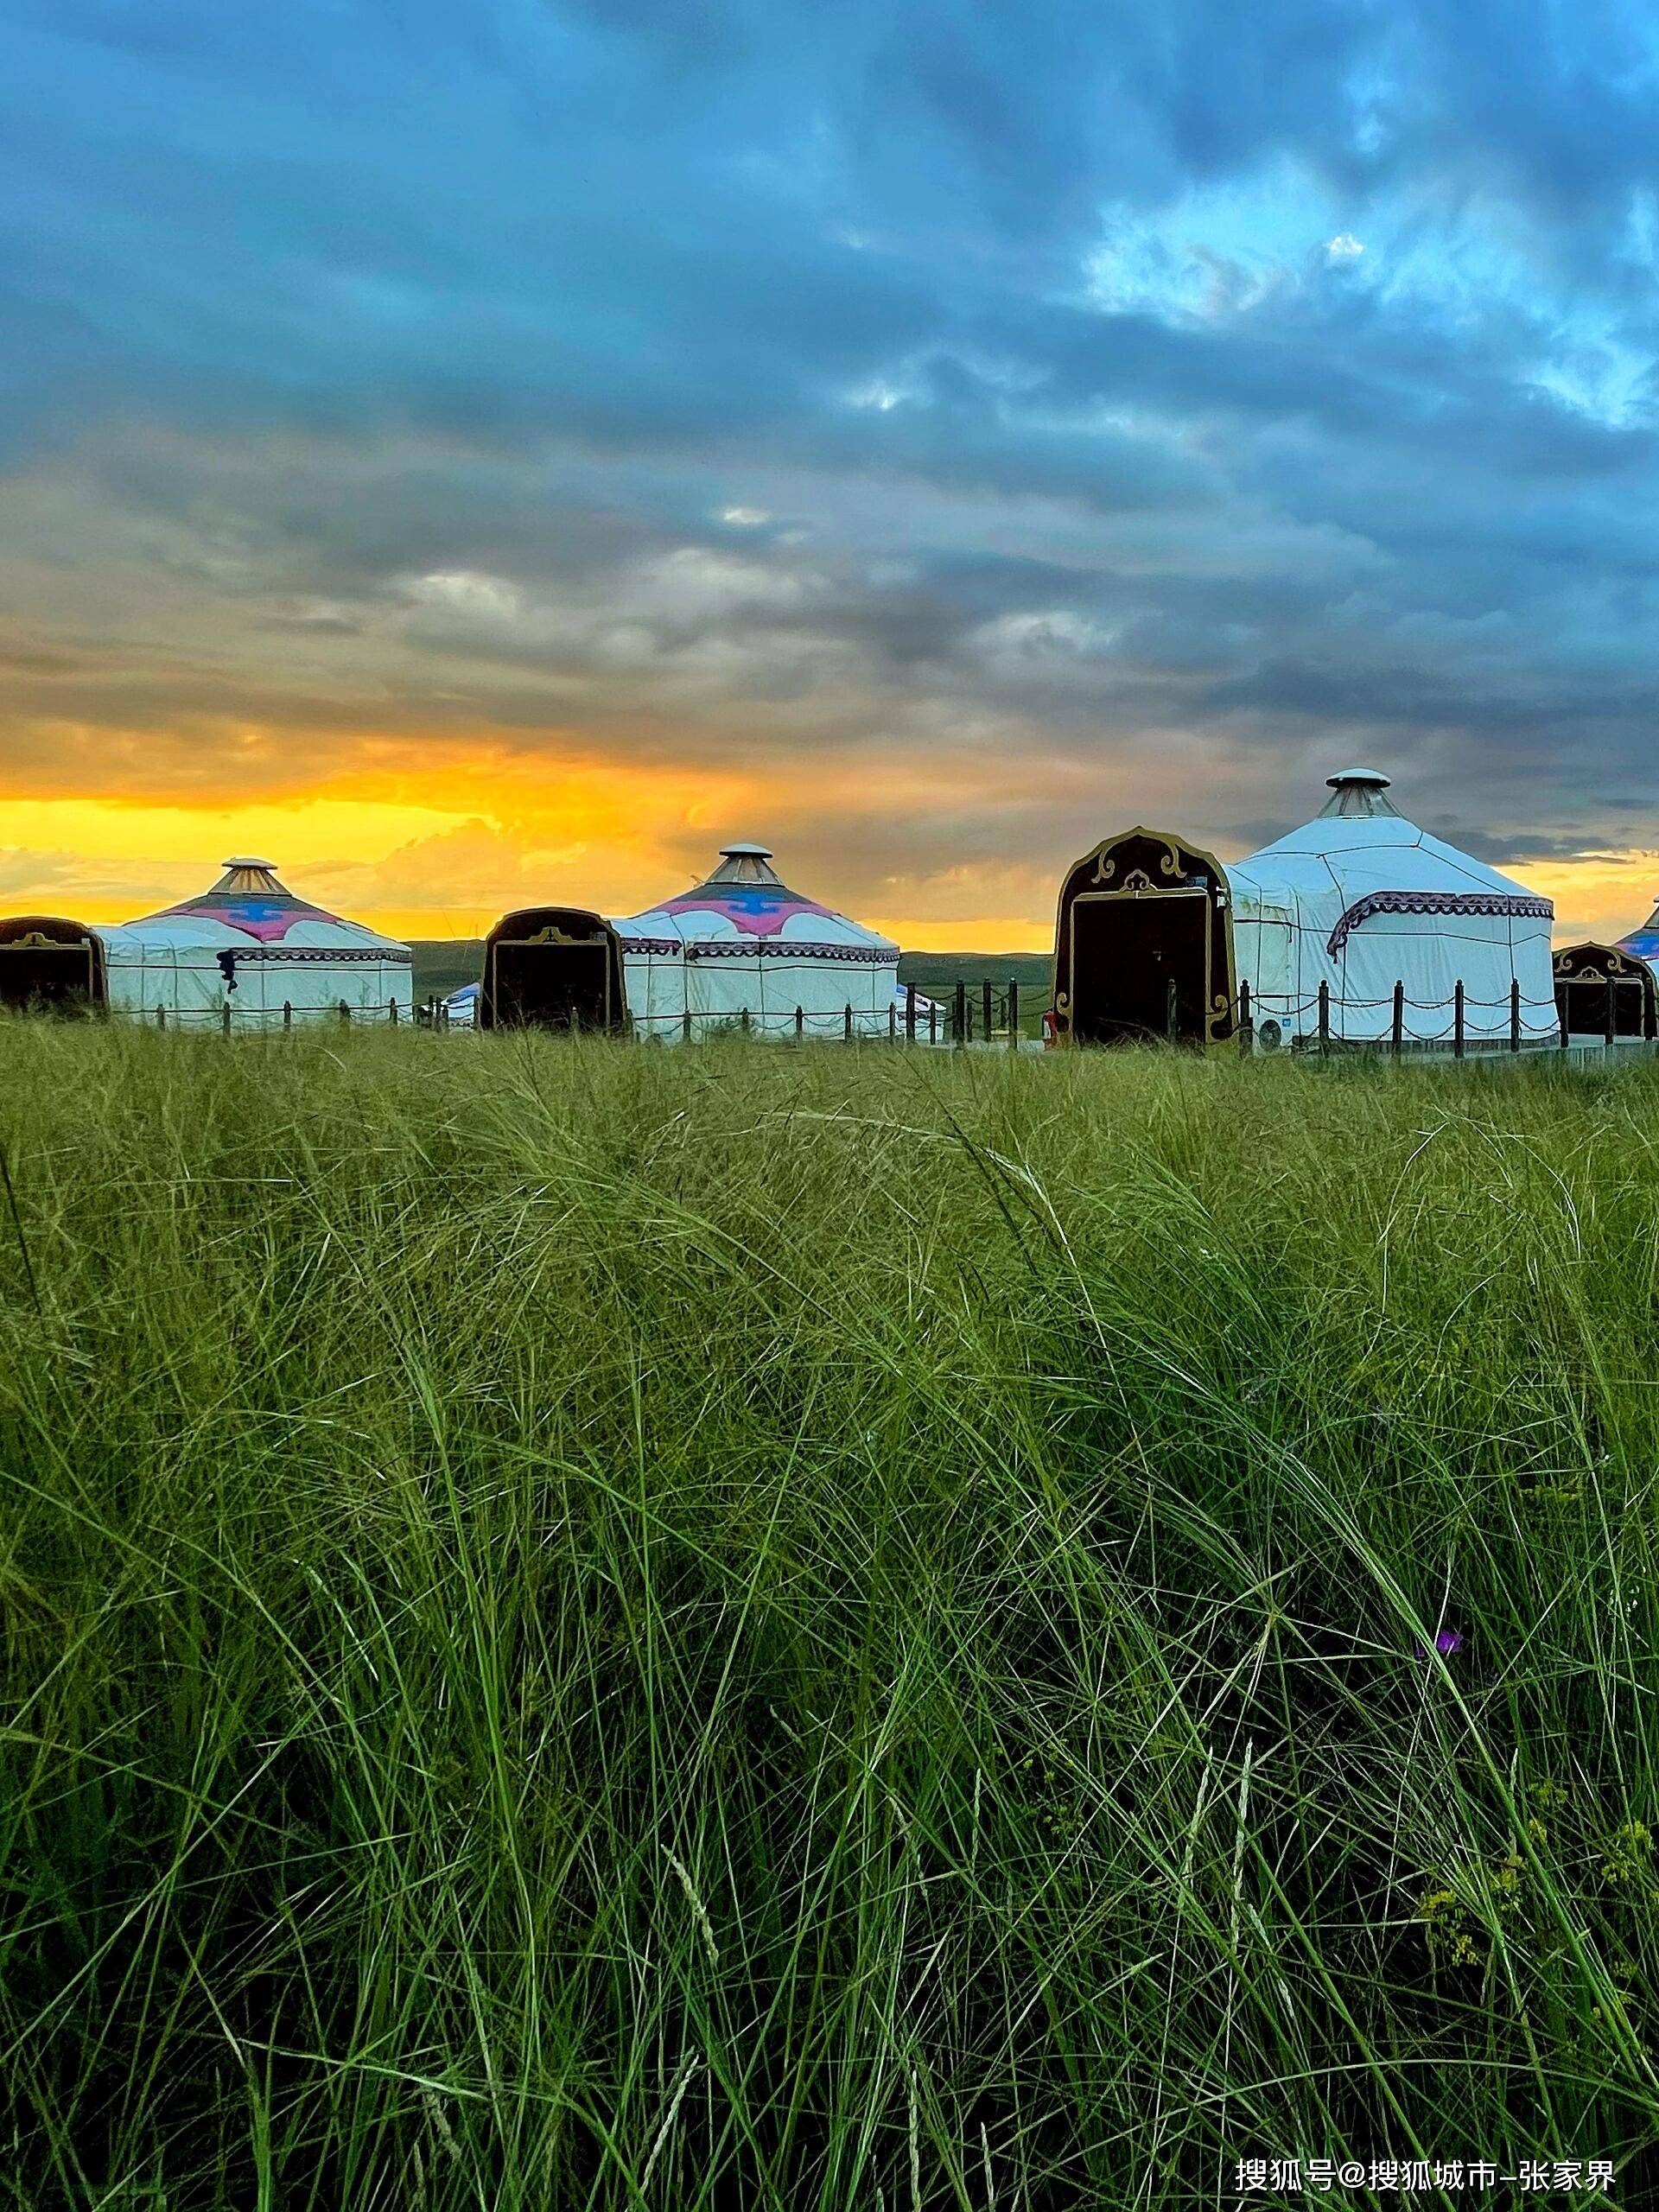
[
  {"x": 250, "y": 907},
  {"x": 1359, "y": 845},
  {"x": 745, "y": 898},
  {"x": 1644, "y": 942}
]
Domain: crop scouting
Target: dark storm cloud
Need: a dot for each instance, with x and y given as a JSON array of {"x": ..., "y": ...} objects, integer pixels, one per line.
[{"x": 751, "y": 375}]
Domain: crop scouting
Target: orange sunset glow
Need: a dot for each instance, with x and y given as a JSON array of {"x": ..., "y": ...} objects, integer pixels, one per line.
[{"x": 440, "y": 852}]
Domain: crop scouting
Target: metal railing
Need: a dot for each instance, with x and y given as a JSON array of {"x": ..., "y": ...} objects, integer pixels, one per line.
[
  {"x": 230, "y": 1018},
  {"x": 983, "y": 1013},
  {"x": 1519, "y": 1032},
  {"x": 987, "y": 1014}
]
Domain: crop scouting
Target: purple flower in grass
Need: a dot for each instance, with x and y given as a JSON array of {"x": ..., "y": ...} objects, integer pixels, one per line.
[{"x": 1445, "y": 1643}]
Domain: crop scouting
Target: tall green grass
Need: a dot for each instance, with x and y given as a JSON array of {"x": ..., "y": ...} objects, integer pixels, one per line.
[{"x": 589, "y": 1626}]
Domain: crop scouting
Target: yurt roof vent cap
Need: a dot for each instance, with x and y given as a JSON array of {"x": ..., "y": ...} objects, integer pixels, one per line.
[
  {"x": 244, "y": 873},
  {"x": 1358, "y": 791},
  {"x": 745, "y": 864}
]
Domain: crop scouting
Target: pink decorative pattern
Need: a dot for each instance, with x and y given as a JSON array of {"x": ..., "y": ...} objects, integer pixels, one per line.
[
  {"x": 759, "y": 912},
  {"x": 267, "y": 920}
]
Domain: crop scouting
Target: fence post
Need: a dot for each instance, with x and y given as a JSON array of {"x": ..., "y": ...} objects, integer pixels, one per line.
[
  {"x": 1609, "y": 1020},
  {"x": 1397, "y": 1038},
  {"x": 224, "y": 1018},
  {"x": 685, "y": 1026},
  {"x": 962, "y": 1011},
  {"x": 1325, "y": 1017},
  {"x": 1515, "y": 1013},
  {"x": 161, "y": 1017},
  {"x": 288, "y": 1016},
  {"x": 990, "y": 1010},
  {"x": 1171, "y": 1011},
  {"x": 800, "y": 1023},
  {"x": 391, "y": 1008},
  {"x": 1647, "y": 1013},
  {"x": 933, "y": 1021},
  {"x": 1013, "y": 1015},
  {"x": 1457, "y": 1019},
  {"x": 893, "y": 1023},
  {"x": 345, "y": 1013},
  {"x": 909, "y": 1013},
  {"x": 847, "y": 1025},
  {"x": 746, "y": 1022},
  {"x": 1246, "y": 1026}
]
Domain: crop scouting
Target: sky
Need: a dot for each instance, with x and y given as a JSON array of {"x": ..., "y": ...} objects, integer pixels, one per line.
[{"x": 471, "y": 451}]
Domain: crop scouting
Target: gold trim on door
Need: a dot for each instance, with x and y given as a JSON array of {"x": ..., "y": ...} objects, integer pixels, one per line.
[{"x": 1175, "y": 857}]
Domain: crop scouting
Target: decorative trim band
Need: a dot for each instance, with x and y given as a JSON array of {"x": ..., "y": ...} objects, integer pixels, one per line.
[
  {"x": 766, "y": 947},
  {"x": 775, "y": 947},
  {"x": 1436, "y": 902},
  {"x": 310, "y": 955}
]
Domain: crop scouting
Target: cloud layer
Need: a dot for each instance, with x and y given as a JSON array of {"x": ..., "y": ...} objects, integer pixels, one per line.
[{"x": 922, "y": 436}]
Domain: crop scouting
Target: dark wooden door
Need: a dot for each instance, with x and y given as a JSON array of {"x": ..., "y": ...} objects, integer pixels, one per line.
[
  {"x": 1126, "y": 951},
  {"x": 552, "y": 985}
]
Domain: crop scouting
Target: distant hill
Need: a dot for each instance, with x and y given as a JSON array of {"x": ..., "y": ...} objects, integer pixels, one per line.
[
  {"x": 443, "y": 964},
  {"x": 935, "y": 972}
]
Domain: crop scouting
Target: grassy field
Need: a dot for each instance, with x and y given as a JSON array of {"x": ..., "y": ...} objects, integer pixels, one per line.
[{"x": 593, "y": 1627}]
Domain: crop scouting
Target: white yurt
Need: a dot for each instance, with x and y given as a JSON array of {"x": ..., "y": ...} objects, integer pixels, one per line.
[
  {"x": 742, "y": 944},
  {"x": 248, "y": 945},
  {"x": 1360, "y": 898}
]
